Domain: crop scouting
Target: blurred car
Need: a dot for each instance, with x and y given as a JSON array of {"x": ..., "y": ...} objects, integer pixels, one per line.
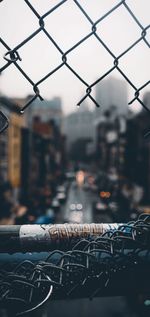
[
  {"x": 70, "y": 175},
  {"x": 61, "y": 189},
  {"x": 113, "y": 205},
  {"x": 76, "y": 207},
  {"x": 72, "y": 207},
  {"x": 79, "y": 207},
  {"x": 55, "y": 204},
  {"x": 76, "y": 217},
  {"x": 86, "y": 186},
  {"x": 76, "y": 213},
  {"x": 61, "y": 193},
  {"x": 113, "y": 208},
  {"x": 61, "y": 197},
  {"x": 49, "y": 218},
  {"x": 99, "y": 206}
]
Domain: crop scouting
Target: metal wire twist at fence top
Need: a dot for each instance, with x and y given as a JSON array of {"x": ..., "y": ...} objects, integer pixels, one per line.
[
  {"x": 110, "y": 264},
  {"x": 12, "y": 55}
]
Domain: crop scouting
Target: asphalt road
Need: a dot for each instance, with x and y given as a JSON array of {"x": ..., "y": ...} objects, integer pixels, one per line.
[{"x": 77, "y": 195}]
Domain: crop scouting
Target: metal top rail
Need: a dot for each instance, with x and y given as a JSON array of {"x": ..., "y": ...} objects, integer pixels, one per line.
[
  {"x": 117, "y": 262},
  {"x": 26, "y": 238}
]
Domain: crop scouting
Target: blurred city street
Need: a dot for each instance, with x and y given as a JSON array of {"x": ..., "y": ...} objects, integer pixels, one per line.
[
  {"x": 83, "y": 199},
  {"x": 79, "y": 207},
  {"x": 74, "y": 149}
]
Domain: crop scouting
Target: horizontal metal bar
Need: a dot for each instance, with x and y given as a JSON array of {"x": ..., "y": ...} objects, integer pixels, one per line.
[{"x": 26, "y": 238}]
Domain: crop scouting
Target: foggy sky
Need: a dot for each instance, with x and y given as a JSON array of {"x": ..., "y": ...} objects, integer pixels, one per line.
[{"x": 67, "y": 25}]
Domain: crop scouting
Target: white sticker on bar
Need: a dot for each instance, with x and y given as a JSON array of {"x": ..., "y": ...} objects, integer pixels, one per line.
[{"x": 33, "y": 233}]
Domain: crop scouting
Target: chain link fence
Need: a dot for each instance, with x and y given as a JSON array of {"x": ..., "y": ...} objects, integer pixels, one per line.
[
  {"x": 114, "y": 263},
  {"x": 102, "y": 266},
  {"x": 13, "y": 56}
]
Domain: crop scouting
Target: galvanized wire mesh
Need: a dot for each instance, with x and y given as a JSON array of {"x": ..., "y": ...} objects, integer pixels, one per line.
[
  {"x": 12, "y": 55},
  {"x": 117, "y": 262}
]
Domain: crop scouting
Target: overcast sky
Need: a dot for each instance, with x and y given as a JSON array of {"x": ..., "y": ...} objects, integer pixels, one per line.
[{"x": 67, "y": 25}]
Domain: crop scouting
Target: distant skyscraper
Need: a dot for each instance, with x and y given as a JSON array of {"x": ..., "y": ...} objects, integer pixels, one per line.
[
  {"x": 79, "y": 125},
  {"x": 112, "y": 92}
]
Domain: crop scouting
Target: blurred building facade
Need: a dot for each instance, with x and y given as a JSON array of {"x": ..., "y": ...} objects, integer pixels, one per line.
[
  {"x": 111, "y": 142},
  {"x": 10, "y": 144},
  {"x": 137, "y": 155},
  {"x": 43, "y": 155},
  {"x": 121, "y": 145},
  {"x": 32, "y": 149},
  {"x": 14, "y": 149}
]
